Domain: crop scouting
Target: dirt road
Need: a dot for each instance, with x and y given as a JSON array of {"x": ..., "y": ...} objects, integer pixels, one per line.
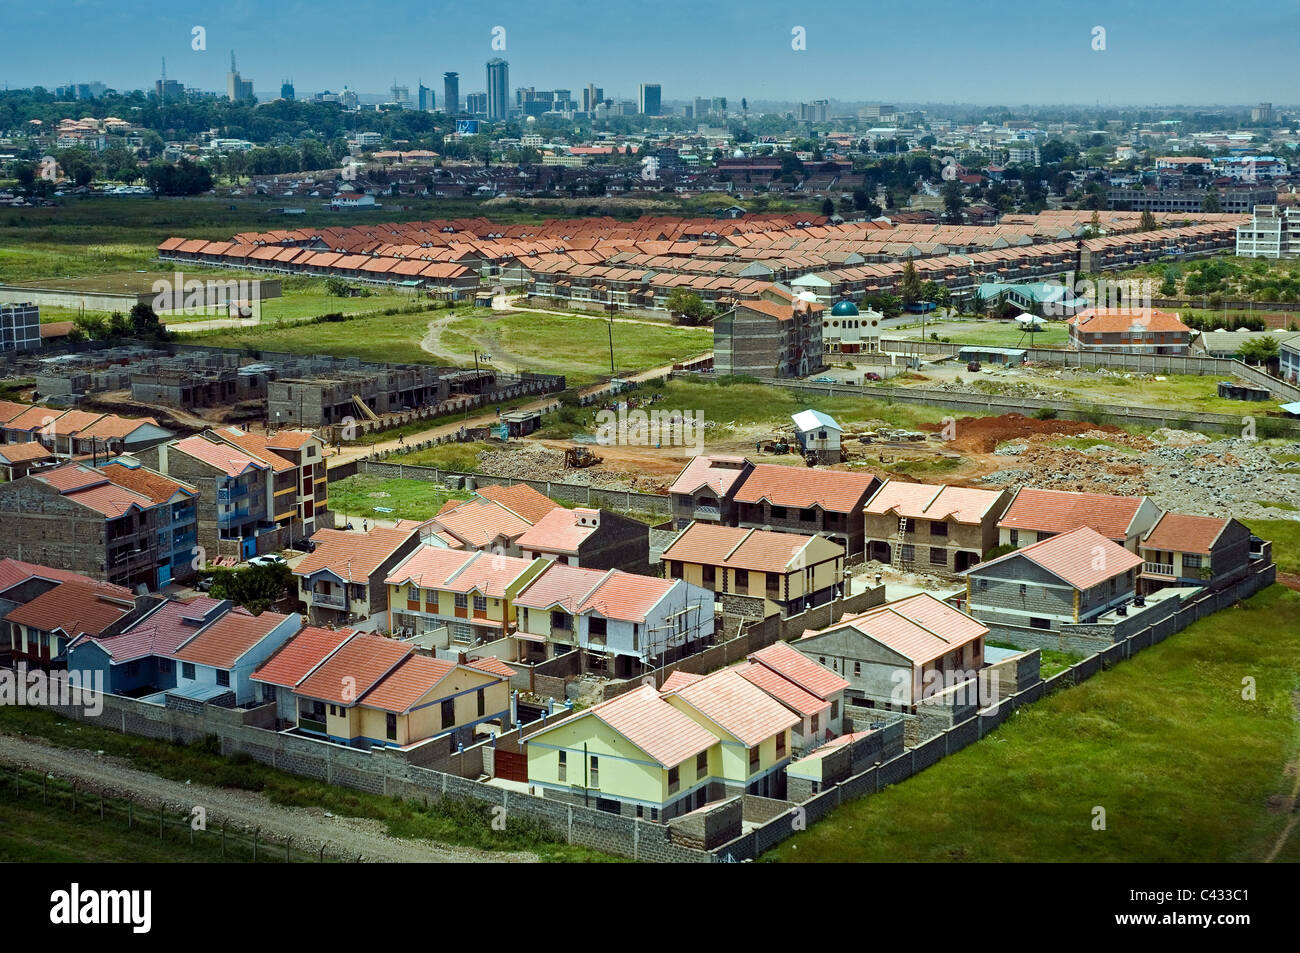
[{"x": 308, "y": 827}]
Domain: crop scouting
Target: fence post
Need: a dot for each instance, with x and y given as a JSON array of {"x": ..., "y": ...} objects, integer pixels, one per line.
[
  {"x": 223, "y": 840},
  {"x": 256, "y": 831},
  {"x": 160, "y": 820}
]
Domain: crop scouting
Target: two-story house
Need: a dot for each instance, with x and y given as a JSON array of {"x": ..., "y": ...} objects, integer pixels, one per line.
[
  {"x": 1034, "y": 515},
  {"x": 590, "y": 538},
  {"x": 813, "y": 502},
  {"x": 789, "y": 572},
  {"x": 343, "y": 580},
  {"x": 769, "y": 339},
  {"x": 216, "y": 664},
  {"x": 1142, "y": 331},
  {"x": 470, "y": 593},
  {"x": 177, "y": 517},
  {"x": 1183, "y": 550},
  {"x": 895, "y": 655},
  {"x": 703, "y": 490},
  {"x": 921, "y": 526},
  {"x": 1071, "y": 578},
  {"x": 41, "y": 630}
]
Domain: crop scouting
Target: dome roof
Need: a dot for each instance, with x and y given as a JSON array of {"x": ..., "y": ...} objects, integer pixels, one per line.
[{"x": 843, "y": 308}]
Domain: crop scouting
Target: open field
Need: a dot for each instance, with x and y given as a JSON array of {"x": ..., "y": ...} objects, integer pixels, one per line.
[
  {"x": 989, "y": 333},
  {"x": 574, "y": 346},
  {"x": 1185, "y": 768},
  {"x": 356, "y": 498}
]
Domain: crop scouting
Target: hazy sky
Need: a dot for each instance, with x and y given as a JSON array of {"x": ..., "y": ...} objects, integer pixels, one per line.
[{"x": 1010, "y": 52}]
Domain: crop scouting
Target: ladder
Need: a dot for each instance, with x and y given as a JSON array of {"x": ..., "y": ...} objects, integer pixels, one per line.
[{"x": 897, "y": 561}]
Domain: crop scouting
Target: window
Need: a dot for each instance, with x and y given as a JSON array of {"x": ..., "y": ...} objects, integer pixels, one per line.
[
  {"x": 562, "y": 770},
  {"x": 187, "y": 670},
  {"x": 480, "y": 604},
  {"x": 132, "y": 669},
  {"x": 223, "y": 678},
  {"x": 1038, "y": 623},
  {"x": 753, "y": 758},
  {"x": 835, "y": 709},
  {"x": 164, "y": 665},
  {"x": 857, "y": 668},
  {"x": 674, "y": 780},
  {"x": 412, "y": 593},
  {"x": 984, "y": 583},
  {"x": 595, "y": 771},
  {"x": 482, "y": 703},
  {"x": 938, "y": 528},
  {"x": 742, "y": 579},
  {"x": 390, "y": 725},
  {"x": 808, "y": 515},
  {"x": 1015, "y": 537},
  {"x": 562, "y": 621},
  {"x": 780, "y": 745},
  {"x": 596, "y": 627},
  {"x": 773, "y": 586},
  {"x": 462, "y": 601},
  {"x": 701, "y": 765},
  {"x": 938, "y": 556},
  {"x": 1191, "y": 560},
  {"x": 778, "y": 512},
  {"x": 448, "y": 712},
  {"x": 674, "y": 569},
  {"x": 816, "y": 722},
  {"x": 709, "y": 577}
]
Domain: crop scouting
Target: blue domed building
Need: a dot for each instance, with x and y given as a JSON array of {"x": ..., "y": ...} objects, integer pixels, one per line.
[{"x": 846, "y": 330}]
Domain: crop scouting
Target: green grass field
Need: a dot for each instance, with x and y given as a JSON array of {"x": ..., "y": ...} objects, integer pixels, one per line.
[
  {"x": 1182, "y": 764},
  {"x": 355, "y": 497},
  {"x": 990, "y": 333},
  {"x": 1285, "y": 536},
  {"x": 448, "y": 822}
]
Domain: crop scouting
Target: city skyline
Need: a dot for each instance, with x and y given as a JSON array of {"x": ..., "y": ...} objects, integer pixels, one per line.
[{"x": 730, "y": 50}]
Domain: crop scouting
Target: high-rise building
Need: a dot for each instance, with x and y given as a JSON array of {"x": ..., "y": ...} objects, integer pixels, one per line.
[
  {"x": 1262, "y": 113},
  {"x": 476, "y": 104},
  {"x": 498, "y": 86},
  {"x": 592, "y": 97},
  {"x": 237, "y": 88},
  {"x": 650, "y": 102},
  {"x": 425, "y": 103},
  {"x": 451, "y": 93},
  {"x": 169, "y": 90},
  {"x": 286, "y": 89}
]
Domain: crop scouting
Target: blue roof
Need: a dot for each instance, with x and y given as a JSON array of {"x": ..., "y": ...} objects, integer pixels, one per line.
[{"x": 843, "y": 308}]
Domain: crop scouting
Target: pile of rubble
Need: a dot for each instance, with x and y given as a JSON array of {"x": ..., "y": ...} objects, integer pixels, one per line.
[{"x": 1182, "y": 471}]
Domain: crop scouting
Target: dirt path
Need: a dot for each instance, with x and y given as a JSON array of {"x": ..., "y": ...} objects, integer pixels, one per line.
[{"x": 308, "y": 827}]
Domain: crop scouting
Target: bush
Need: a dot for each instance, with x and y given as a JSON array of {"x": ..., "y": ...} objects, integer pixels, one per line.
[
  {"x": 1000, "y": 550},
  {"x": 1045, "y": 413}
]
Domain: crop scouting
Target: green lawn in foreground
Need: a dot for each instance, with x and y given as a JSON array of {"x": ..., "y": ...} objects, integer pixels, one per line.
[
  {"x": 1285, "y": 536},
  {"x": 1183, "y": 766}
]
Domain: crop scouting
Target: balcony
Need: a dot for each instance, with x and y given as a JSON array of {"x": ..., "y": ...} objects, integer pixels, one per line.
[
  {"x": 232, "y": 516},
  {"x": 228, "y": 494},
  {"x": 329, "y": 600},
  {"x": 1158, "y": 569},
  {"x": 706, "y": 513}
]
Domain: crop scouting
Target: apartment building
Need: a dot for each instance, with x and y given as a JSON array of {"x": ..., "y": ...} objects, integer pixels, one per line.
[
  {"x": 1142, "y": 331},
  {"x": 769, "y": 339},
  {"x": 297, "y": 479},
  {"x": 20, "y": 327},
  {"x": 1273, "y": 232},
  {"x": 177, "y": 518}
]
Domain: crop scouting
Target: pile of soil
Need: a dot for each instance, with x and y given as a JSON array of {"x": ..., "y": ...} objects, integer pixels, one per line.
[{"x": 983, "y": 434}]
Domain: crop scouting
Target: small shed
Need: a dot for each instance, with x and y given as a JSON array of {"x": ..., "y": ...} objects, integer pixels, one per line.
[
  {"x": 993, "y": 355},
  {"x": 518, "y": 423},
  {"x": 818, "y": 434},
  {"x": 1236, "y": 390}
]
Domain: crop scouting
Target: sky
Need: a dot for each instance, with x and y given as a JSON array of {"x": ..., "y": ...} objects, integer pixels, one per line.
[{"x": 1012, "y": 52}]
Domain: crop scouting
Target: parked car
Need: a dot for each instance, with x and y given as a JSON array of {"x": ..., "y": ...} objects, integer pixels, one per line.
[
  {"x": 270, "y": 560},
  {"x": 204, "y": 584},
  {"x": 973, "y": 366},
  {"x": 305, "y": 545},
  {"x": 873, "y": 376},
  {"x": 823, "y": 380}
]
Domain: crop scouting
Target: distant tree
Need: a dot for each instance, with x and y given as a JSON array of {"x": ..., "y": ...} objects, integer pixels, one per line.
[
  {"x": 953, "y": 201},
  {"x": 686, "y": 307},
  {"x": 1259, "y": 350},
  {"x": 828, "y": 208},
  {"x": 256, "y": 588},
  {"x": 1212, "y": 203},
  {"x": 1147, "y": 222},
  {"x": 910, "y": 287}
]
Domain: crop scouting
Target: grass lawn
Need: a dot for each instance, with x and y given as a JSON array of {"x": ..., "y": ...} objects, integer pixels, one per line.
[
  {"x": 991, "y": 333},
  {"x": 1183, "y": 766},
  {"x": 448, "y": 822},
  {"x": 356, "y": 497},
  {"x": 1285, "y": 536},
  {"x": 447, "y": 456}
]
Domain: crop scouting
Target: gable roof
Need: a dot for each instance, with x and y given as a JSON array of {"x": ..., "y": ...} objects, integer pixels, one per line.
[
  {"x": 738, "y": 706},
  {"x": 627, "y": 596},
  {"x": 837, "y": 491},
  {"x": 1056, "y": 511},
  {"x": 1182, "y": 533},
  {"x": 720, "y": 474},
  {"x": 737, "y": 547},
  {"x": 933, "y": 502},
  {"x": 561, "y": 530},
  {"x": 402, "y": 688},
  {"x": 162, "y": 630},
  {"x": 807, "y": 420},
  {"x": 353, "y": 670},
  {"x": 14, "y": 572},
  {"x": 920, "y": 627},
  {"x": 301, "y": 655},
  {"x": 222, "y": 456},
  {"x": 791, "y": 664},
  {"x": 148, "y": 483},
  {"x": 75, "y": 608},
  {"x": 783, "y": 690},
  {"x": 353, "y": 557},
  {"x": 480, "y": 522},
  {"x": 521, "y": 499},
  {"x": 644, "y": 718},
  {"x": 223, "y": 643},
  {"x": 1082, "y": 557}
]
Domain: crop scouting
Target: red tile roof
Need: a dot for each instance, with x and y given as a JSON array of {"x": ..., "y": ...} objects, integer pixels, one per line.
[
  {"x": 300, "y": 656},
  {"x": 163, "y": 630},
  {"x": 560, "y": 531},
  {"x": 1181, "y": 533},
  {"x": 928, "y": 501},
  {"x": 14, "y": 572},
  {"x": 223, "y": 643},
  {"x": 353, "y": 557},
  {"x": 401, "y": 689},
  {"x": 644, "y": 718},
  {"x": 353, "y": 670},
  {"x": 1113, "y": 321},
  {"x": 720, "y": 474},
  {"x": 736, "y": 705},
  {"x": 493, "y": 666},
  {"x": 783, "y": 690},
  {"x": 791, "y": 664},
  {"x": 626, "y": 596},
  {"x": 754, "y": 549},
  {"x": 520, "y": 498},
  {"x": 1081, "y": 557},
  {"x": 920, "y": 627},
  {"x": 1056, "y": 511},
  {"x": 75, "y": 608},
  {"x": 836, "y": 491},
  {"x": 229, "y": 460}
]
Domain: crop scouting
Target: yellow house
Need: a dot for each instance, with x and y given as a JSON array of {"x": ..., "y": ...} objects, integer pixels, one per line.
[
  {"x": 789, "y": 571},
  {"x": 471, "y": 593},
  {"x": 753, "y": 728},
  {"x": 375, "y": 691},
  {"x": 635, "y": 755}
]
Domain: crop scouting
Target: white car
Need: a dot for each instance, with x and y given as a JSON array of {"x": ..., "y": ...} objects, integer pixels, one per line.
[{"x": 268, "y": 561}]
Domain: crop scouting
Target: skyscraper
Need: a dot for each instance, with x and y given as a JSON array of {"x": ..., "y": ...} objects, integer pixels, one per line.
[
  {"x": 498, "y": 86},
  {"x": 592, "y": 97},
  {"x": 237, "y": 88},
  {"x": 286, "y": 89},
  {"x": 650, "y": 100},
  {"x": 451, "y": 93},
  {"x": 425, "y": 102}
]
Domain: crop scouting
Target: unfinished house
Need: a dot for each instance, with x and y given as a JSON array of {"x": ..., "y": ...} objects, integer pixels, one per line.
[
  {"x": 921, "y": 526},
  {"x": 812, "y": 502},
  {"x": 703, "y": 490}
]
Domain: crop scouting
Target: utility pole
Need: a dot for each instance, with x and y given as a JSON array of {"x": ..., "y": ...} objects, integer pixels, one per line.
[{"x": 611, "y": 343}]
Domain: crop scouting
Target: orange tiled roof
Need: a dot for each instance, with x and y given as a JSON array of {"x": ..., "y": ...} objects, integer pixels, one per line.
[
  {"x": 837, "y": 491},
  {"x": 301, "y": 655},
  {"x": 223, "y": 643},
  {"x": 738, "y": 706},
  {"x": 1082, "y": 557},
  {"x": 1182, "y": 533}
]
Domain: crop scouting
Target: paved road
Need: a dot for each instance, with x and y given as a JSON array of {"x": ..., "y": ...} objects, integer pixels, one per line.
[{"x": 307, "y": 827}]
